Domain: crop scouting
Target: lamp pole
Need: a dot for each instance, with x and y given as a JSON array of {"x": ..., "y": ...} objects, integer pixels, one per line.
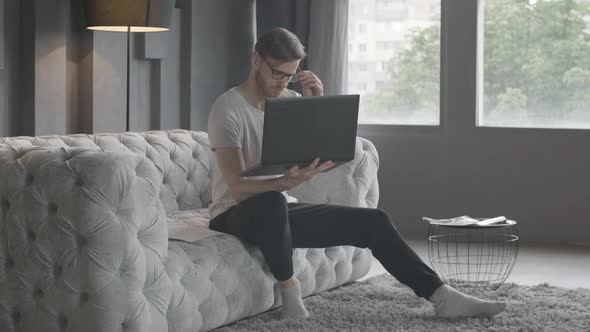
[
  {"x": 121, "y": 16},
  {"x": 128, "y": 76}
]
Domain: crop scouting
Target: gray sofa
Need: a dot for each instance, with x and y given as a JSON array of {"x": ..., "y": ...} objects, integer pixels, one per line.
[{"x": 86, "y": 240}]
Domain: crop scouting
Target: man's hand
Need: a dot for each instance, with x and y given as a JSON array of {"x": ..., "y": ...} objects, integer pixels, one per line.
[
  {"x": 311, "y": 85},
  {"x": 297, "y": 176}
]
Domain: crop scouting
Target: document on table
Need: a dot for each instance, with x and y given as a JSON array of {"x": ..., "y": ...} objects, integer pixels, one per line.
[{"x": 465, "y": 221}]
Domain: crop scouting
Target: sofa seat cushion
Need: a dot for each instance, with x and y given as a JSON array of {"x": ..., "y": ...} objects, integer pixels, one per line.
[{"x": 218, "y": 278}]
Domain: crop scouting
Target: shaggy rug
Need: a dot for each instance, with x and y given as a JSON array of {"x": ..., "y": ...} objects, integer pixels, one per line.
[{"x": 383, "y": 304}]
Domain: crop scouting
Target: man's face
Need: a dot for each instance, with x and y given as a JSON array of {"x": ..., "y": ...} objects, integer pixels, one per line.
[{"x": 272, "y": 76}]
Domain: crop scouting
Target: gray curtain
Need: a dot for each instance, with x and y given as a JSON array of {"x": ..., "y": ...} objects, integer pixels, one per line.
[
  {"x": 289, "y": 14},
  {"x": 328, "y": 44},
  {"x": 1, "y": 34},
  {"x": 224, "y": 33},
  {"x": 322, "y": 26}
]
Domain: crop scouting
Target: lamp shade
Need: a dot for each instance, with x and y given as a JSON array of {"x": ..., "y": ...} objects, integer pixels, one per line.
[{"x": 137, "y": 15}]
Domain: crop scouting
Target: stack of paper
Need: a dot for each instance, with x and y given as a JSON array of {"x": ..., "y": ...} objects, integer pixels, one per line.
[{"x": 465, "y": 220}]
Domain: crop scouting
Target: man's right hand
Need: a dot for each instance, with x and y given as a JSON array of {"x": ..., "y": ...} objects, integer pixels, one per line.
[{"x": 297, "y": 176}]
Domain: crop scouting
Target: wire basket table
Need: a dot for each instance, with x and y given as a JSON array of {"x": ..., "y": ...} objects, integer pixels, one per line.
[{"x": 473, "y": 256}]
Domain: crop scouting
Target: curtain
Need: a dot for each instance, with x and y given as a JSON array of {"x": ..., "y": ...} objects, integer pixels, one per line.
[
  {"x": 328, "y": 44},
  {"x": 322, "y": 27},
  {"x": 223, "y": 33}
]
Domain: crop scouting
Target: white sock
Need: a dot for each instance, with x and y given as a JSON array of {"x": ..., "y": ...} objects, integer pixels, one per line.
[
  {"x": 292, "y": 303},
  {"x": 450, "y": 303}
]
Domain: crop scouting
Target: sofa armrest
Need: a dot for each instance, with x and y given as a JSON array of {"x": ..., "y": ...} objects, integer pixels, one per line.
[
  {"x": 352, "y": 184},
  {"x": 83, "y": 238}
]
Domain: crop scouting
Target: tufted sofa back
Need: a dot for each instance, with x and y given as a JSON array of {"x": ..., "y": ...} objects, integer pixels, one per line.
[{"x": 183, "y": 159}]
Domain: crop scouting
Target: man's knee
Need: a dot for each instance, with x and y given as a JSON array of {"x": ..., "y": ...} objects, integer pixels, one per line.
[
  {"x": 382, "y": 214},
  {"x": 382, "y": 219},
  {"x": 270, "y": 211}
]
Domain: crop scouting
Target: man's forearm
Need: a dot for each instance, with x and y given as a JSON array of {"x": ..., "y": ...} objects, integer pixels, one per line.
[{"x": 245, "y": 188}]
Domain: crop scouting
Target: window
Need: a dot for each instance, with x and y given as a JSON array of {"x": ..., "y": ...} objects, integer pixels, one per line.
[
  {"x": 385, "y": 45},
  {"x": 390, "y": 3},
  {"x": 363, "y": 67},
  {"x": 404, "y": 88},
  {"x": 534, "y": 64},
  {"x": 362, "y": 28}
]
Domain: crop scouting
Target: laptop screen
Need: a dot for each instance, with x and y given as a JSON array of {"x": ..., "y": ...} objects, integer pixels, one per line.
[{"x": 299, "y": 129}]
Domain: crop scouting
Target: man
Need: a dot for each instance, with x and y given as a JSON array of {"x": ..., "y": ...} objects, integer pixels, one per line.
[{"x": 259, "y": 211}]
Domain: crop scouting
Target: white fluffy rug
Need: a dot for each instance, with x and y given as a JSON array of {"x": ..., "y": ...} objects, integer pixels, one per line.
[{"x": 383, "y": 304}]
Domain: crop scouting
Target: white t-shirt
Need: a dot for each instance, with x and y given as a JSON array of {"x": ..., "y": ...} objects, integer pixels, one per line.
[{"x": 233, "y": 122}]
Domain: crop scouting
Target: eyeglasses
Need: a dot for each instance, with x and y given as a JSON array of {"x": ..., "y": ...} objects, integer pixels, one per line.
[{"x": 279, "y": 75}]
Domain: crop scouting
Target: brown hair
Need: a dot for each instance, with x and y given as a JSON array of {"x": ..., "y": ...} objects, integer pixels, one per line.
[{"x": 280, "y": 44}]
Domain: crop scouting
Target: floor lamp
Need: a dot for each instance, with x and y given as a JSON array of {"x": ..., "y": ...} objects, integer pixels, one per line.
[{"x": 129, "y": 16}]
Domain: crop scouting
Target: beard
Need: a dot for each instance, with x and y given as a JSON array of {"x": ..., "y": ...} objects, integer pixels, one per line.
[{"x": 268, "y": 89}]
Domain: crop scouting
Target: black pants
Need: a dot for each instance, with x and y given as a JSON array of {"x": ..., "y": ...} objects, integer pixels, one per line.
[{"x": 275, "y": 227}]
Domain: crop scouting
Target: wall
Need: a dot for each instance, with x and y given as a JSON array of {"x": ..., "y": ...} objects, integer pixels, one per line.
[{"x": 60, "y": 78}]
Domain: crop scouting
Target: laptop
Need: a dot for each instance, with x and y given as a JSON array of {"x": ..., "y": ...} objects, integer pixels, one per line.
[{"x": 299, "y": 129}]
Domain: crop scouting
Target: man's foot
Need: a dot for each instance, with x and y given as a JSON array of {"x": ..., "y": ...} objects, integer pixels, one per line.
[
  {"x": 450, "y": 303},
  {"x": 293, "y": 307}
]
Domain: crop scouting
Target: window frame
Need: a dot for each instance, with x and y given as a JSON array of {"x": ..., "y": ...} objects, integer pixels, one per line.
[{"x": 461, "y": 61}]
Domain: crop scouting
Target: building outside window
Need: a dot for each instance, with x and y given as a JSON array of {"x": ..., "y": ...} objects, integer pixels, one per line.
[{"x": 403, "y": 67}]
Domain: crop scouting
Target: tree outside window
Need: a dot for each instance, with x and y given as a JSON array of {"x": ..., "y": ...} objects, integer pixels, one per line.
[{"x": 536, "y": 67}]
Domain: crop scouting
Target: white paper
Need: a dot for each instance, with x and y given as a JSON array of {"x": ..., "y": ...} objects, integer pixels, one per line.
[
  {"x": 188, "y": 231},
  {"x": 465, "y": 221},
  {"x": 190, "y": 225},
  {"x": 490, "y": 221}
]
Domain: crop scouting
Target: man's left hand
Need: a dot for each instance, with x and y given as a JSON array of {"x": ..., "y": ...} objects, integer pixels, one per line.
[{"x": 311, "y": 85}]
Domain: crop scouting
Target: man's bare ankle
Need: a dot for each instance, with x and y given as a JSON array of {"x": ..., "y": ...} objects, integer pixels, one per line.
[{"x": 287, "y": 283}]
